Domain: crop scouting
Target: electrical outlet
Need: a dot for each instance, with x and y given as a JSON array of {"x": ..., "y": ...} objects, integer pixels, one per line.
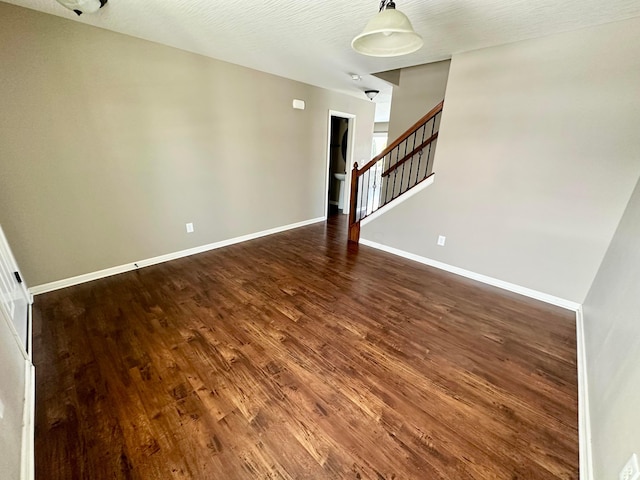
[
  {"x": 630, "y": 471},
  {"x": 441, "y": 240},
  {"x": 189, "y": 227}
]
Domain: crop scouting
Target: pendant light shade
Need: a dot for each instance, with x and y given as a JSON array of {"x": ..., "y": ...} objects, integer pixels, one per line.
[
  {"x": 371, "y": 94},
  {"x": 388, "y": 34}
]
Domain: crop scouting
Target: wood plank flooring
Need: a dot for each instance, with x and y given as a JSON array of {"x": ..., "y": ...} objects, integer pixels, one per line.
[{"x": 295, "y": 356}]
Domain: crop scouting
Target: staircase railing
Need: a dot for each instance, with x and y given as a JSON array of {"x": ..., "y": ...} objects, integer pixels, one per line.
[{"x": 400, "y": 167}]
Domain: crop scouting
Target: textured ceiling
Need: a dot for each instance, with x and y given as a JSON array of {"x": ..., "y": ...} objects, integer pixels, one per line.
[{"x": 311, "y": 41}]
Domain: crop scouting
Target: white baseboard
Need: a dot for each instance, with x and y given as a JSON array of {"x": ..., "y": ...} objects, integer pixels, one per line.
[
  {"x": 512, "y": 287},
  {"x": 107, "y": 272},
  {"x": 397, "y": 201},
  {"x": 584, "y": 418}
]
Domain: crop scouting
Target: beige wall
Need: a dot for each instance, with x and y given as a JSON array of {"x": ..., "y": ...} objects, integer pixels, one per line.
[
  {"x": 612, "y": 336},
  {"x": 391, "y": 76},
  {"x": 537, "y": 157},
  {"x": 420, "y": 89},
  {"x": 110, "y": 144}
]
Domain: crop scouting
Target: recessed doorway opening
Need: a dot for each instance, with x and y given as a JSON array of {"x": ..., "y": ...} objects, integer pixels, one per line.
[{"x": 339, "y": 162}]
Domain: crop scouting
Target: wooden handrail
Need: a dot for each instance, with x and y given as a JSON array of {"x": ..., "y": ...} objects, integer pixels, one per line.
[
  {"x": 355, "y": 215},
  {"x": 410, "y": 155},
  {"x": 434, "y": 111},
  {"x": 352, "y": 199}
]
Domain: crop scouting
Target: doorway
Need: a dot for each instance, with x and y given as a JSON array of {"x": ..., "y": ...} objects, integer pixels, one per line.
[{"x": 339, "y": 162}]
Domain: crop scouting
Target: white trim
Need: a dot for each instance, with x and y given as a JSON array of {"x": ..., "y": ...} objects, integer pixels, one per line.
[
  {"x": 28, "y": 423},
  {"x": 527, "y": 292},
  {"x": 28, "y": 405},
  {"x": 398, "y": 200},
  {"x": 7, "y": 255},
  {"x": 29, "y": 345},
  {"x": 107, "y": 272},
  {"x": 348, "y": 163},
  {"x": 15, "y": 334},
  {"x": 584, "y": 417}
]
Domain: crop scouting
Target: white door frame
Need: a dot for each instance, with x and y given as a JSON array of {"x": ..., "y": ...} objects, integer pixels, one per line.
[
  {"x": 23, "y": 348},
  {"x": 15, "y": 298},
  {"x": 351, "y": 118}
]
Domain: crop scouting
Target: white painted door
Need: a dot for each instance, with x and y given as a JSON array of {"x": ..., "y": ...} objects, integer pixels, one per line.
[{"x": 14, "y": 296}]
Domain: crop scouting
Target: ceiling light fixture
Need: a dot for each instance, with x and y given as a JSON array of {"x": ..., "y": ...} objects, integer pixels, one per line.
[
  {"x": 388, "y": 34},
  {"x": 371, "y": 94}
]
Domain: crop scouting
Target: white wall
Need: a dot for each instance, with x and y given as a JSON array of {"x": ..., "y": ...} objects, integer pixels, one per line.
[
  {"x": 612, "y": 337},
  {"x": 537, "y": 157}
]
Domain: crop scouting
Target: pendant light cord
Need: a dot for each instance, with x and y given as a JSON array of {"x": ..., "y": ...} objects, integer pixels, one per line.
[{"x": 384, "y": 3}]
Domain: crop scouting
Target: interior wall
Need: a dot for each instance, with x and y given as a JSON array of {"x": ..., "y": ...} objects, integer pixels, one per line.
[
  {"x": 419, "y": 89},
  {"x": 110, "y": 144},
  {"x": 537, "y": 157},
  {"x": 381, "y": 127},
  {"x": 612, "y": 343}
]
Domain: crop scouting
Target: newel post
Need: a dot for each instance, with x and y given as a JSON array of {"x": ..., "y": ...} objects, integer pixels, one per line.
[{"x": 354, "y": 226}]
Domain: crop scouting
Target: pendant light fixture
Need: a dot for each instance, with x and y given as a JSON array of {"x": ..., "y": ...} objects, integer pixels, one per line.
[
  {"x": 388, "y": 34},
  {"x": 83, "y": 6}
]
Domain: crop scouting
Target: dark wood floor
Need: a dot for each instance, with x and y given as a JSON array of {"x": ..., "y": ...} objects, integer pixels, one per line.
[{"x": 296, "y": 357}]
